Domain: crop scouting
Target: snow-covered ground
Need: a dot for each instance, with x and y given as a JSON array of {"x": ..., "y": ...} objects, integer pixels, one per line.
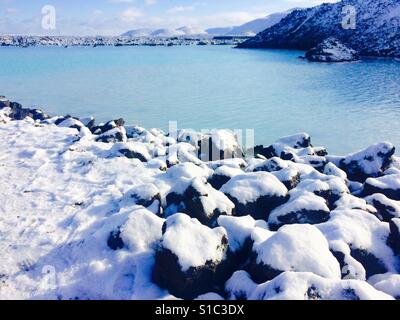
[{"x": 108, "y": 211}]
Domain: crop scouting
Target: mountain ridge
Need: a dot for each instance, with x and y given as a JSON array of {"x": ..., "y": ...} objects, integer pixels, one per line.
[{"x": 250, "y": 28}]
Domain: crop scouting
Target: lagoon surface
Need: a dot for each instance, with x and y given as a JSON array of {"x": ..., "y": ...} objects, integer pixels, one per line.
[{"x": 344, "y": 107}]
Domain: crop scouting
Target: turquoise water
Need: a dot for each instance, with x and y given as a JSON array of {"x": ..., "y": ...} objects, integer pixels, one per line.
[{"x": 344, "y": 107}]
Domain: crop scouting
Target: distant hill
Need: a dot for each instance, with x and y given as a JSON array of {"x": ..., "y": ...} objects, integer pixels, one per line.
[
  {"x": 376, "y": 32},
  {"x": 248, "y": 29},
  {"x": 165, "y": 32},
  {"x": 219, "y": 31},
  {"x": 251, "y": 28},
  {"x": 137, "y": 33}
]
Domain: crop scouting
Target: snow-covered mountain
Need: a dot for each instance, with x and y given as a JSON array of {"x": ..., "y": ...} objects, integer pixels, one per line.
[
  {"x": 138, "y": 33},
  {"x": 251, "y": 28},
  {"x": 164, "y": 32},
  {"x": 375, "y": 33}
]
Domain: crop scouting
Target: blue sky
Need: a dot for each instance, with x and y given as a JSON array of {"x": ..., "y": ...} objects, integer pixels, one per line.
[{"x": 112, "y": 17}]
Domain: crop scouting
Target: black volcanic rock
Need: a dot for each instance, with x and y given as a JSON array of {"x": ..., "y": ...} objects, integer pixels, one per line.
[
  {"x": 368, "y": 163},
  {"x": 4, "y": 102},
  {"x": 394, "y": 237},
  {"x": 331, "y": 50},
  {"x": 201, "y": 201},
  {"x": 20, "y": 113},
  {"x": 374, "y": 34},
  {"x": 190, "y": 256}
]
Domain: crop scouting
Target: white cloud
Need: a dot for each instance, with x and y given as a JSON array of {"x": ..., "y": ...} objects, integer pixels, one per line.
[
  {"x": 180, "y": 9},
  {"x": 150, "y": 2},
  {"x": 131, "y": 14}
]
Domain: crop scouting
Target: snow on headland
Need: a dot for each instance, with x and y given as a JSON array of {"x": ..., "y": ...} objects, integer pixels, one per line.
[{"x": 109, "y": 211}]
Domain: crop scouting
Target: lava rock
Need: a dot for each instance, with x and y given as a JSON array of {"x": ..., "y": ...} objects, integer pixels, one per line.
[
  {"x": 20, "y": 113},
  {"x": 359, "y": 235},
  {"x": 131, "y": 150},
  {"x": 117, "y": 134},
  {"x": 70, "y": 123},
  {"x": 201, "y": 201},
  {"x": 387, "y": 209},
  {"x": 290, "y": 177},
  {"x": 189, "y": 256},
  {"x": 308, "y": 286},
  {"x": 388, "y": 185},
  {"x": 286, "y": 148},
  {"x": 222, "y": 175},
  {"x": 305, "y": 209},
  {"x": 114, "y": 241},
  {"x": 370, "y": 262},
  {"x": 300, "y": 248},
  {"x": 394, "y": 236},
  {"x": 143, "y": 195},
  {"x": 110, "y": 125},
  {"x": 255, "y": 194},
  {"x": 88, "y": 122},
  {"x": 368, "y": 163},
  {"x": 4, "y": 102}
]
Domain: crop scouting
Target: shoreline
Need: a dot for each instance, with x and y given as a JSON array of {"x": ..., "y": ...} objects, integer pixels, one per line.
[{"x": 122, "y": 212}]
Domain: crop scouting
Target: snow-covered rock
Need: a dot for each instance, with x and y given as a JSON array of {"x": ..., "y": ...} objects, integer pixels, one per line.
[
  {"x": 222, "y": 175},
  {"x": 370, "y": 162},
  {"x": 71, "y": 123},
  {"x": 117, "y": 134},
  {"x": 362, "y": 236},
  {"x": 131, "y": 150},
  {"x": 240, "y": 286},
  {"x": 331, "y": 188},
  {"x": 331, "y": 50},
  {"x": 348, "y": 201},
  {"x": 17, "y": 112},
  {"x": 4, "y": 102},
  {"x": 142, "y": 231},
  {"x": 146, "y": 195},
  {"x": 290, "y": 177},
  {"x": 333, "y": 170},
  {"x": 286, "y": 147},
  {"x": 270, "y": 165},
  {"x": 300, "y": 248},
  {"x": 255, "y": 194},
  {"x": 104, "y": 127},
  {"x": 201, "y": 201},
  {"x": 88, "y": 122},
  {"x": 388, "y": 283},
  {"x": 394, "y": 236},
  {"x": 239, "y": 230},
  {"x": 388, "y": 185},
  {"x": 189, "y": 255},
  {"x": 211, "y": 296},
  {"x": 308, "y": 286},
  {"x": 304, "y": 209},
  {"x": 386, "y": 209}
]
